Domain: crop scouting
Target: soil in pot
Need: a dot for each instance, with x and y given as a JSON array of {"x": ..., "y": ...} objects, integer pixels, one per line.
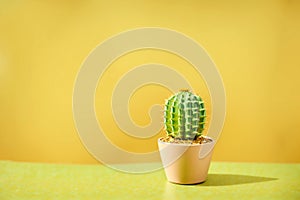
[{"x": 199, "y": 140}]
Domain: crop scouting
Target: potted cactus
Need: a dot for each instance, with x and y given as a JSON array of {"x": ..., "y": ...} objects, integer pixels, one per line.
[{"x": 185, "y": 152}]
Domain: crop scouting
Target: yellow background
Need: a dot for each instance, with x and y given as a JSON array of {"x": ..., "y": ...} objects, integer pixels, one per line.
[{"x": 255, "y": 45}]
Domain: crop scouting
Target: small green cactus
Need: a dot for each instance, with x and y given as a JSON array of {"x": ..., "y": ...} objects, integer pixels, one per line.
[{"x": 184, "y": 116}]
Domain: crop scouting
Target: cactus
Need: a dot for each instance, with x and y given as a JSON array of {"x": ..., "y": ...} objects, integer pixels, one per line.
[{"x": 184, "y": 116}]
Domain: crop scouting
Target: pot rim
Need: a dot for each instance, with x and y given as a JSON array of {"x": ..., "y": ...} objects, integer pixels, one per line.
[{"x": 181, "y": 144}]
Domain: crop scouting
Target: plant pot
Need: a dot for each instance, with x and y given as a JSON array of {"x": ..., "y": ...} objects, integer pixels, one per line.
[{"x": 186, "y": 163}]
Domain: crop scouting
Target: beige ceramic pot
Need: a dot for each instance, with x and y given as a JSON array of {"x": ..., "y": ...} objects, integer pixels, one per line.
[{"x": 186, "y": 163}]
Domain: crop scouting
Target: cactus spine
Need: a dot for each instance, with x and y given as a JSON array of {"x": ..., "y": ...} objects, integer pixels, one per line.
[{"x": 184, "y": 116}]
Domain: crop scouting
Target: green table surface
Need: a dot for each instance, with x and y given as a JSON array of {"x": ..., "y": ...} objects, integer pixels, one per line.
[{"x": 225, "y": 181}]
